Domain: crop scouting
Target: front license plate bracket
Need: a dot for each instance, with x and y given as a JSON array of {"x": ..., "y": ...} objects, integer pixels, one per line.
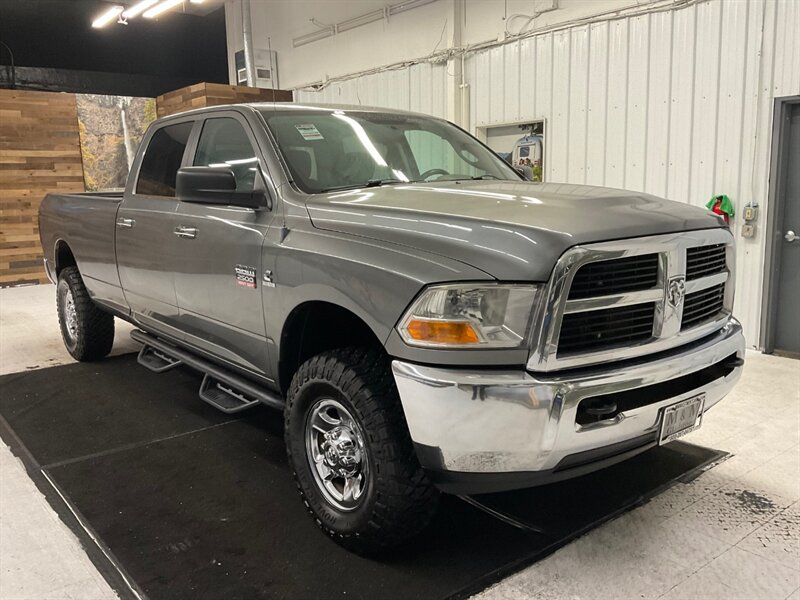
[{"x": 681, "y": 418}]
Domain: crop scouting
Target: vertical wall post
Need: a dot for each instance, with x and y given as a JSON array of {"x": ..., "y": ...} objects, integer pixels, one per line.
[
  {"x": 455, "y": 65},
  {"x": 247, "y": 41}
]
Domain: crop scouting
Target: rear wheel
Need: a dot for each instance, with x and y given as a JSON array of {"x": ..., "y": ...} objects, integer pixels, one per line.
[
  {"x": 87, "y": 331},
  {"x": 351, "y": 453}
]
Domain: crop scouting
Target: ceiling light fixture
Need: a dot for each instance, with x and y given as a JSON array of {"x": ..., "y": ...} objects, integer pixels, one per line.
[
  {"x": 164, "y": 6},
  {"x": 197, "y": 1},
  {"x": 138, "y": 8},
  {"x": 108, "y": 16}
]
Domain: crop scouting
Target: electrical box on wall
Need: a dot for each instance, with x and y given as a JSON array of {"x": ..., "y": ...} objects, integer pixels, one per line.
[
  {"x": 266, "y": 69},
  {"x": 750, "y": 215}
]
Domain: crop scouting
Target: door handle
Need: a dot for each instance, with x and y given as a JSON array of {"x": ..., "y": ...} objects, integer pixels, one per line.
[
  {"x": 186, "y": 232},
  {"x": 791, "y": 236},
  {"x": 125, "y": 223}
]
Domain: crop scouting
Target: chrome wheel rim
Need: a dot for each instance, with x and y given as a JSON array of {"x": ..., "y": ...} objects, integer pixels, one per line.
[
  {"x": 70, "y": 316},
  {"x": 337, "y": 454}
]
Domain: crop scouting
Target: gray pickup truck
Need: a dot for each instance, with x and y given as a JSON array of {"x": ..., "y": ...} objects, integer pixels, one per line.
[{"x": 426, "y": 319}]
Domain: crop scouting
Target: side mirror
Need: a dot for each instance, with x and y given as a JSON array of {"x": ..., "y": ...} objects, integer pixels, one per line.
[{"x": 216, "y": 185}]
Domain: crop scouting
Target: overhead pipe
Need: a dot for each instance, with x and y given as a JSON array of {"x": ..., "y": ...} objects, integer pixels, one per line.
[{"x": 247, "y": 39}]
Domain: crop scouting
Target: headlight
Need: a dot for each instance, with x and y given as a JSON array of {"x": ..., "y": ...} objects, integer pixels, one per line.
[{"x": 470, "y": 316}]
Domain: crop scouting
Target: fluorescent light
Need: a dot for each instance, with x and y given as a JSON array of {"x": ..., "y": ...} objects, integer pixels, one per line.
[
  {"x": 108, "y": 16},
  {"x": 313, "y": 37},
  {"x": 138, "y": 8},
  {"x": 164, "y": 6},
  {"x": 375, "y": 15},
  {"x": 197, "y": 1}
]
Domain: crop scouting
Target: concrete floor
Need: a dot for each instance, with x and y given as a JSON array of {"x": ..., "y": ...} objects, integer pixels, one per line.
[{"x": 734, "y": 532}]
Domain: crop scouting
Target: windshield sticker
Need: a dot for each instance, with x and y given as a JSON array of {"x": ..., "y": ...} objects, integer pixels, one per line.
[{"x": 309, "y": 131}]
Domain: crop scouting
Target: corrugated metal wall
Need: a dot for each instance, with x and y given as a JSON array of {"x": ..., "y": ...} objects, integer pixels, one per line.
[
  {"x": 675, "y": 103},
  {"x": 420, "y": 88}
]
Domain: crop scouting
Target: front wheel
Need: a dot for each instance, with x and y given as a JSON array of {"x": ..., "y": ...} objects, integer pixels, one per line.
[
  {"x": 87, "y": 331},
  {"x": 351, "y": 453}
]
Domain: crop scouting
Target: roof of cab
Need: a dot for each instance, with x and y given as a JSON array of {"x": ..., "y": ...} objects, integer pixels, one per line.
[{"x": 298, "y": 107}]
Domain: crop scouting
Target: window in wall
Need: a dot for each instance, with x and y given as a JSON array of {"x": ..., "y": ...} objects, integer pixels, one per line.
[
  {"x": 521, "y": 145},
  {"x": 163, "y": 159},
  {"x": 224, "y": 143}
]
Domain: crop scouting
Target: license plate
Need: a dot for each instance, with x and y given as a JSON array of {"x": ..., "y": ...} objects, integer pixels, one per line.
[{"x": 681, "y": 418}]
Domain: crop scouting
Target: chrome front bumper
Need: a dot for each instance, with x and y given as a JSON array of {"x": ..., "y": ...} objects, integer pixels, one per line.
[{"x": 509, "y": 423}]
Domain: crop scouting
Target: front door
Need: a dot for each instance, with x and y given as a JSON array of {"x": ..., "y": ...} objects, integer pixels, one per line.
[
  {"x": 220, "y": 276},
  {"x": 146, "y": 247},
  {"x": 787, "y": 316}
]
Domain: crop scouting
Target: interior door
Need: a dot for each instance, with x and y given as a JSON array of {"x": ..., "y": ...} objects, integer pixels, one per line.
[
  {"x": 220, "y": 275},
  {"x": 146, "y": 248},
  {"x": 787, "y": 317}
]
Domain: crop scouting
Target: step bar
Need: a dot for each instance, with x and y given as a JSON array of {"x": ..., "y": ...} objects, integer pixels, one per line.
[
  {"x": 156, "y": 360},
  {"x": 221, "y": 388},
  {"x": 225, "y": 397}
]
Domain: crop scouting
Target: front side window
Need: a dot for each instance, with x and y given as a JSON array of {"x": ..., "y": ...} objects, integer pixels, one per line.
[
  {"x": 328, "y": 150},
  {"x": 224, "y": 143},
  {"x": 162, "y": 159}
]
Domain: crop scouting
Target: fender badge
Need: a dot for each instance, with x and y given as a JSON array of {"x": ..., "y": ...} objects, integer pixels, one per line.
[{"x": 245, "y": 276}]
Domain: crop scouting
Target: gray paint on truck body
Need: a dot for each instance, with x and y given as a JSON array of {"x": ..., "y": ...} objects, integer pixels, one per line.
[
  {"x": 371, "y": 257},
  {"x": 513, "y": 231}
]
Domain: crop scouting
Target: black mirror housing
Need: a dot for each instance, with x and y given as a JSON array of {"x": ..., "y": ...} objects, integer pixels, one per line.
[{"x": 216, "y": 185}]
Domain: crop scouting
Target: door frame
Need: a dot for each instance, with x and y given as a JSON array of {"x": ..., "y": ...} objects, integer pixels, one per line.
[{"x": 773, "y": 228}]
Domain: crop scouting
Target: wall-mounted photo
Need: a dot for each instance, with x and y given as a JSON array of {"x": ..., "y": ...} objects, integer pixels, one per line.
[
  {"x": 111, "y": 128},
  {"x": 521, "y": 145}
]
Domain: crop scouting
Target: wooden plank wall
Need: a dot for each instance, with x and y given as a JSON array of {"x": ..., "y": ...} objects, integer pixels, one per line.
[
  {"x": 214, "y": 94},
  {"x": 39, "y": 152}
]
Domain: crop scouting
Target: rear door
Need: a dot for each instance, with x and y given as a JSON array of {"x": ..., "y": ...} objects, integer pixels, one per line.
[
  {"x": 218, "y": 284},
  {"x": 147, "y": 249}
]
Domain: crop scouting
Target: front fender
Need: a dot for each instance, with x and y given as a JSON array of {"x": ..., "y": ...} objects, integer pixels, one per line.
[{"x": 375, "y": 281}]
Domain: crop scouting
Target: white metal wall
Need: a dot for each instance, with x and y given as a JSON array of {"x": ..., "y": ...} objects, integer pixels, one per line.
[
  {"x": 419, "y": 88},
  {"x": 674, "y": 103}
]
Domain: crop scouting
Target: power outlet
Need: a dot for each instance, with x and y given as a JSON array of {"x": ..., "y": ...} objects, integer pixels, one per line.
[
  {"x": 748, "y": 230},
  {"x": 750, "y": 213}
]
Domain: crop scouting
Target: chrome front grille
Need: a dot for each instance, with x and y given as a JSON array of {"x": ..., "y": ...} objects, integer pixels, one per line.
[
  {"x": 617, "y": 300},
  {"x": 703, "y": 261},
  {"x": 615, "y": 276},
  {"x": 608, "y": 327},
  {"x": 702, "y": 306}
]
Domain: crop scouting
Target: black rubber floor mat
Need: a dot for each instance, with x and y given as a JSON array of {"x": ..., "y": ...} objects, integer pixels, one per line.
[{"x": 195, "y": 504}]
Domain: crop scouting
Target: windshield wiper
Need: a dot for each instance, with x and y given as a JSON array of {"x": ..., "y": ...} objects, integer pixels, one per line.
[
  {"x": 369, "y": 183},
  {"x": 380, "y": 182},
  {"x": 475, "y": 178}
]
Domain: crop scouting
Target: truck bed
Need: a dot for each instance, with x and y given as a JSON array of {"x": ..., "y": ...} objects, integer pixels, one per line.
[
  {"x": 112, "y": 195},
  {"x": 85, "y": 222}
]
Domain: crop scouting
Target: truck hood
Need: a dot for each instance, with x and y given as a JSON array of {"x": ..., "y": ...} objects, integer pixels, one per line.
[{"x": 511, "y": 230}]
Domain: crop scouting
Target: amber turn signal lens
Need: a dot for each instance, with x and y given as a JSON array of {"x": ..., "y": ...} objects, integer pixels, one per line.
[{"x": 442, "y": 332}]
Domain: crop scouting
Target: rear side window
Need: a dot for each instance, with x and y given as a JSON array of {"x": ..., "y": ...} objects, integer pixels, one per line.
[
  {"x": 162, "y": 159},
  {"x": 224, "y": 143}
]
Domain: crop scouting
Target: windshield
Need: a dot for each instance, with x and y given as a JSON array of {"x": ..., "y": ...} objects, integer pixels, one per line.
[{"x": 329, "y": 150}]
